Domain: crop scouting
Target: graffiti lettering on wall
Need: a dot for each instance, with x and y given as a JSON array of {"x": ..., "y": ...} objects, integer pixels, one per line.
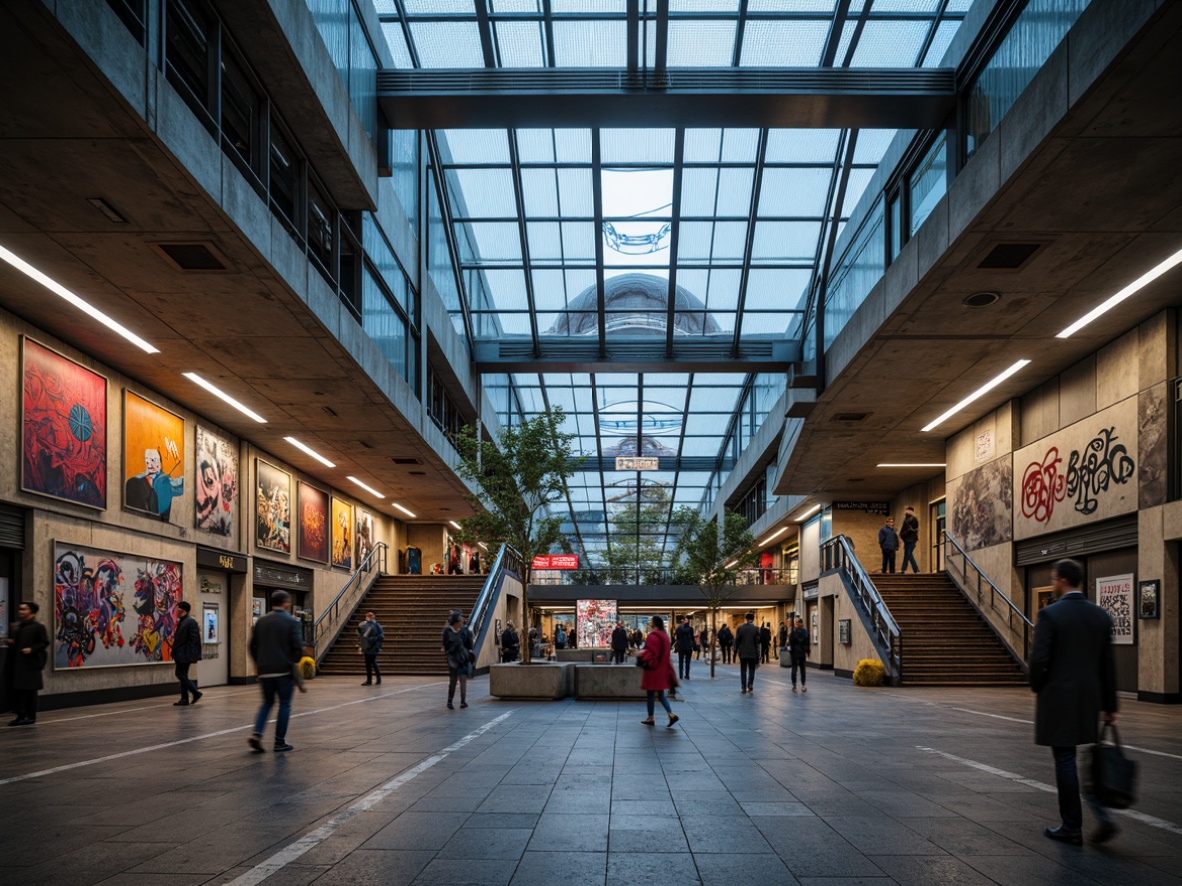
[
  {"x": 1103, "y": 463},
  {"x": 92, "y": 592}
]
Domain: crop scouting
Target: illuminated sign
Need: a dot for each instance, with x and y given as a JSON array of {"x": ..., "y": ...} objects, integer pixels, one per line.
[
  {"x": 556, "y": 561},
  {"x": 632, "y": 463}
]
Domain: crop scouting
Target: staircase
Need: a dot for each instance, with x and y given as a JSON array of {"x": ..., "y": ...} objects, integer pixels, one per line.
[
  {"x": 945, "y": 641},
  {"x": 412, "y": 610}
]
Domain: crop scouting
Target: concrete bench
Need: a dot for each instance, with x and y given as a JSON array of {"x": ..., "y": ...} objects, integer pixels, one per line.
[
  {"x": 546, "y": 680},
  {"x": 608, "y": 682}
]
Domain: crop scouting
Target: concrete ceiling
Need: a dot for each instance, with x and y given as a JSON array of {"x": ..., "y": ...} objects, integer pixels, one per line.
[
  {"x": 1104, "y": 194},
  {"x": 64, "y": 138}
]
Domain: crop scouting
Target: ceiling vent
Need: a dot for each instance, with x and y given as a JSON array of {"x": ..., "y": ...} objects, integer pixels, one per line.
[
  {"x": 1009, "y": 256},
  {"x": 192, "y": 257},
  {"x": 850, "y": 416},
  {"x": 405, "y": 461}
]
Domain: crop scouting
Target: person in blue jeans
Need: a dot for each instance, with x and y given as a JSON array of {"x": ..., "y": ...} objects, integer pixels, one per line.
[
  {"x": 909, "y": 535},
  {"x": 276, "y": 644},
  {"x": 888, "y": 540}
]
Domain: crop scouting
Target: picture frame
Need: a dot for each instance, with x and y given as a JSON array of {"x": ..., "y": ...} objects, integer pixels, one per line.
[
  {"x": 342, "y": 534},
  {"x": 154, "y": 440},
  {"x": 272, "y": 513},
  {"x": 217, "y": 483},
  {"x": 211, "y": 632},
  {"x": 844, "y": 632},
  {"x": 1149, "y": 598},
  {"x": 313, "y": 534},
  {"x": 64, "y": 442}
]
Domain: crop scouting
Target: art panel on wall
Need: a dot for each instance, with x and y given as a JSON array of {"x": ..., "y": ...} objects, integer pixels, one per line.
[
  {"x": 153, "y": 458},
  {"x": 112, "y": 609},
  {"x": 342, "y": 533},
  {"x": 63, "y": 428},
  {"x": 216, "y": 474},
  {"x": 596, "y": 619},
  {"x": 365, "y": 535},
  {"x": 272, "y": 520},
  {"x": 313, "y": 530},
  {"x": 981, "y": 505}
]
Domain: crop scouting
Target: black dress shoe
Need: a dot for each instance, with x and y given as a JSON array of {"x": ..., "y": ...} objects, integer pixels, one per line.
[
  {"x": 1063, "y": 835},
  {"x": 196, "y": 697},
  {"x": 20, "y": 721},
  {"x": 180, "y": 704},
  {"x": 1104, "y": 833}
]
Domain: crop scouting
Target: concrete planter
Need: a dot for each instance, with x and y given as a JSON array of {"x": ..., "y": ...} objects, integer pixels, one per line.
[
  {"x": 573, "y": 654},
  {"x": 607, "y": 683},
  {"x": 544, "y": 680}
]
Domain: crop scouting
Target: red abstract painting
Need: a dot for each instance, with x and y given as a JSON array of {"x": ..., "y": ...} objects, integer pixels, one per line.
[{"x": 313, "y": 530}]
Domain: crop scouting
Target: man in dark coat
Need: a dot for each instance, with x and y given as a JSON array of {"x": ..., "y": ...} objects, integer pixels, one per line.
[
  {"x": 1073, "y": 671},
  {"x": 747, "y": 649},
  {"x": 370, "y": 634},
  {"x": 684, "y": 640},
  {"x": 909, "y": 535},
  {"x": 186, "y": 649},
  {"x": 888, "y": 541},
  {"x": 725, "y": 639},
  {"x": 799, "y": 645},
  {"x": 27, "y": 656},
  {"x": 510, "y": 643},
  {"x": 619, "y": 643},
  {"x": 765, "y": 643},
  {"x": 276, "y": 644}
]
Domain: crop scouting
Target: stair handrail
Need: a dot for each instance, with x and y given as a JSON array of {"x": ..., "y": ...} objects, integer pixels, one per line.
[
  {"x": 837, "y": 553},
  {"x": 953, "y": 547},
  {"x": 508, "y": 559},
  {"x": 329, "y": 623}
]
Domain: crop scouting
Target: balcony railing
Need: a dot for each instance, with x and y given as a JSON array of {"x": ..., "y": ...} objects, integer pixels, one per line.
[{"x": 646, "y": 575}]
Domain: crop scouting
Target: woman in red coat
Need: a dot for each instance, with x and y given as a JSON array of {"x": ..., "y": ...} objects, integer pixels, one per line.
[{"x": 658, "y": 669}]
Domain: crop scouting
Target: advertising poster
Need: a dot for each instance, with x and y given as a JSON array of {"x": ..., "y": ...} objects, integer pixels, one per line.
[
  {"x": 1115, "y": 595},
  {"x": 210, "y": 632},
  {"x": 217, "y": 483},
  {"x": 153, "y": 458},
  {"x": 596, "y": 621},
  {"x": 63, "y": 428},
  {"x": 112, "y": 609},
  {"x": 272, "y": 518}
]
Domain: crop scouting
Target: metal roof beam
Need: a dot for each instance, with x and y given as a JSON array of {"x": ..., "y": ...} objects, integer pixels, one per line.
[{"x": 575, "y": 355}]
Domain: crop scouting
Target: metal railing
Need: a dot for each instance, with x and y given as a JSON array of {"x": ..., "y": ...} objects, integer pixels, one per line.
[
  {"x": 967, "y": 577},
  {"x": 662, "y": 575},
  {"x": 336, "y": 614},
  {"x": 837, "y": 554},
  {"x": 508, "y": 560}
]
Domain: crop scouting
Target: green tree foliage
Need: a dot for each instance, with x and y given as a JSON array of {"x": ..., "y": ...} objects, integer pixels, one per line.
[
  {"x": 637, "y": 530},
  {"x": 518, "y": 477},
  {"x": 711, "y": 556}
]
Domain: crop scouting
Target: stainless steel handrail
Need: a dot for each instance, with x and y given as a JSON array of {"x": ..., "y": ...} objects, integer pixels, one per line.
[
  {"x": 837, "y": 553},
  {"x": 962, "y": 582},
  {"x": 326, "y": 624}
]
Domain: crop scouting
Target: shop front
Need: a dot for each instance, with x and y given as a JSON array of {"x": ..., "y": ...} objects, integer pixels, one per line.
[
  {"x": 221, "y": 580},
  {"x": 270, "y": 576},
  {"x": 12, "y": 542}
]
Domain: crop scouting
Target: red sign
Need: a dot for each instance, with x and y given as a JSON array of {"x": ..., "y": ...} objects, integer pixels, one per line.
[{"x": 557, "y": 561}]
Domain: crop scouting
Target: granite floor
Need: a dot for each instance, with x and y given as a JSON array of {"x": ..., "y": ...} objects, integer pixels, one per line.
[{"x": 386, "y": 786}]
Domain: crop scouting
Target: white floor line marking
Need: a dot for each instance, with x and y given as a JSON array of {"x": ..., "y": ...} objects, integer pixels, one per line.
[
  {"x": 291, "y": 853},
  {"x": 45, "y": 722},
  {"x": 170, "y": 744},
  {"x": 1031, "y": 723},
  {"x": 1151, "y": 820}
]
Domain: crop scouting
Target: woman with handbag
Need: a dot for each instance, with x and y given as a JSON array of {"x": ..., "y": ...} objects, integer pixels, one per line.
[
  {"x": 459, "y": 647},
  {"x": 658, "y": 669}
]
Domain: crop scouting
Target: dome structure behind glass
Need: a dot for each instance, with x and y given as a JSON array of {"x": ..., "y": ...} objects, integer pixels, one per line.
[{"x": 635, "y": 304}]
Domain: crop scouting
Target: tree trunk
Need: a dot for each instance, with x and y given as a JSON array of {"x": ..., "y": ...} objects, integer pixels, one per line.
[
  {"x": 713, "y": 637},
  {"x": 527, "y": 653}
]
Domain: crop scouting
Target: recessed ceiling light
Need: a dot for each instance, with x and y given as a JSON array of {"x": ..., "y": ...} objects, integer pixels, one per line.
[
  {"x": 483, "y": 545},
  {"x": 308, "y": 450},
  {"x": 773, "y": 536},
  {"x": 912, "y": 464},
  {"x": 455, "y": 524},
  {"x": 106, "y": 209},
  {"x": 368, "y": 489},
  {"x": 981, "y": 299},
  {"x": 808, "y": 513},
  {"x": 1134, "y": 287},
  {"x": 404, "y": 510},
  {"x": 731, "y": 565},
  {"x": 980, "y": 392},
  {"x": 219, "y": 393},
  {"x": 77, "y": 301}
]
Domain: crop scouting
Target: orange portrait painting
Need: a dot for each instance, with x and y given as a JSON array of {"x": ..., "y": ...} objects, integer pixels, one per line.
[{"x": 153, "y": 458}]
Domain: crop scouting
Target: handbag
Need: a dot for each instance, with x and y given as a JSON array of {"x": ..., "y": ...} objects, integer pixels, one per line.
[{"x": 1114, "y": 776}]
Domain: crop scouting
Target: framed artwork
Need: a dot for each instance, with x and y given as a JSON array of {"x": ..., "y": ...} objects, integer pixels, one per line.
[
  {"x": 257, "y": 607},
  {"x": 1044, "y": 596},
  {"x": 844, "y": 631},
  {"x": 272, "y": 511},
  {"x": 210, "y": 628},
  {"x": 313, "y": 529},
  {"x": 112, "y": 609},
  {"x": 1114, "y": 594},
  {"x": 153, "y": 458},
  {"x": 63, "y": 428},
  {"x": 342, "y": 534},
  {"x": 1149, "y": 599},
  {"x": 216, "y": 479},
  {"x": 365, "y": 535}
]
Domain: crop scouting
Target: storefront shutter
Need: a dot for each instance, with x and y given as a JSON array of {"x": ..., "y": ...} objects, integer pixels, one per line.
[
  {"x": 1109, "y": 535},
  {"x": 12, "y": 527}
]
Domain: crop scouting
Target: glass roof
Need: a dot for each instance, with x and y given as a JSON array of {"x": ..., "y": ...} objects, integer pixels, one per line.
[{"x": 720, "y": 230}]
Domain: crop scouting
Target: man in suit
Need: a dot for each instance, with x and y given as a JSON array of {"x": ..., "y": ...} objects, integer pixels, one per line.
[
  {"x": 747, "y": 649},
  {"x": 1073, "y": 671},
  {"x": 683, "y": 639},
  {"x": 619, "y": 643}
]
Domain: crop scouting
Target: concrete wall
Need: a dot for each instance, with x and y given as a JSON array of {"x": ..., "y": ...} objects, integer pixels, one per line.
[{"x": 508, "y": 608}]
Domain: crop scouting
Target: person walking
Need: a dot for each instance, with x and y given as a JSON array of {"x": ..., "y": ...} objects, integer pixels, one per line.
[
  {"x": 783, "y": 634},
  {"x": 510, "y": 643},
  {"x": 909, "y": 535},
  {"x": 684, "y": 639},
  {"x": 276, "y": 645},
  {"x": 704, "y": 643},
  {"x": 459, "y": 647},
  {"x": 888, "y": 541},
  {"x": 747, "y": 650},
  {"x": 800, "y": 645},
  {"x": 1073, "y": 670},
  {"x": 765, "y": 643},
  {"x": 658, "y": 670},
  {"x": 27, "y": 657},
  {"x": 725, "y": 640},
  {"x": 186, "y": 649},
  {"x": 619, "y": 643},
  {"x": 560, "y": 637},
  {"x": 370, "y": 634}
]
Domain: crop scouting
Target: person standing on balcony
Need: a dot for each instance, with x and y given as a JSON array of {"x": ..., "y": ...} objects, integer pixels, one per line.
[
  {"x": 747, "y": 649},
  {"x": 909, "y": 535},
  {"x": 888, "y": 541},
  {"x": 371, "y": 636},
  {"x": 684, "y": 640}
]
